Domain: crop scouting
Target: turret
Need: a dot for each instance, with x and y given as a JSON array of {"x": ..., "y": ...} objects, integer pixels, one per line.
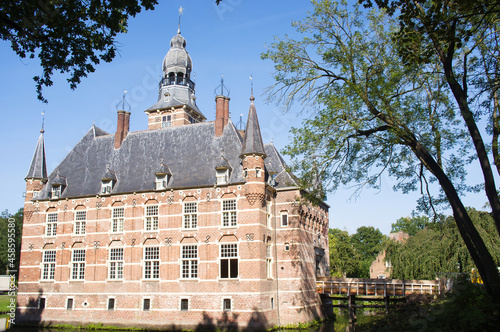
[
  {"x": 253, "y": 155},
  {"x": 37, "y": 174}
]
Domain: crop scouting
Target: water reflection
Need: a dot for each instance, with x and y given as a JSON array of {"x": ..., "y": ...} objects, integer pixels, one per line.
[{"x": 325, "y": 327}]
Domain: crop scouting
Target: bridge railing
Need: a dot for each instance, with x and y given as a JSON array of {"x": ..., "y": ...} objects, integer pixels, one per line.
[{"x": 376, "y": 287}]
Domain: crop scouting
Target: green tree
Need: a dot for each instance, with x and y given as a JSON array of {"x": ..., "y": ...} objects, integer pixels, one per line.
[
  {"x": 410, "y": 225},
  {"x": 368, "y": 242},
  {"x": 67, "y": 36},
  {"x": 374, "y": 112},
  {"x": 5, "y": 262},
  {"x": 439, "y": 248},
  {"x": 344, "y": 260}
]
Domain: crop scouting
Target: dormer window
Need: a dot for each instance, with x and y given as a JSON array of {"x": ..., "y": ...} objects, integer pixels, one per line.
[
  {"x": 106, "y": 187},
  {"x": 166, "y": 121},
  {"x": 222, "y": 176},
  {"x": 222, "y": 171},
  {"x": 58, "y": 186},
  {"x": 56, "y": 191},
  {"x": 163, "y": 175},
  {"x": 108, "y": 182}
]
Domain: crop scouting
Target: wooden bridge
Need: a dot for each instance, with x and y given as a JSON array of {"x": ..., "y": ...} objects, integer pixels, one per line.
[
  {"x": 376, "y": 287},
  {"x": 357, "y": 293}
]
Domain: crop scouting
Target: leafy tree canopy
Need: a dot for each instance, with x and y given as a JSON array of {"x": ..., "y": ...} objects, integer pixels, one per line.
[
  {"x": 376, "y": 109},
  {"x": 5, "y": 260},
  {"x": 411, "y": 225},
  {"x": 439, "y": 249},
  {"x": 66, "y": 36}
]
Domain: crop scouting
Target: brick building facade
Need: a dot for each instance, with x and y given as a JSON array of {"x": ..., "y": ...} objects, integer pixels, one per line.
[{"x": 186, "y": 224}]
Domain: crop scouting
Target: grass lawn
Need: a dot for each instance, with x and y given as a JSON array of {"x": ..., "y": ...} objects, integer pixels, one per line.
[{"x": 4, "y": 303}]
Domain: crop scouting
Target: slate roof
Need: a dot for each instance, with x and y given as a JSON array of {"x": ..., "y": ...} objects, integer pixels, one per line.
[
  {"x": 192, "y": 153},
  {"x": 38, "y": 167},
  {"x": 252, "y": 143}
]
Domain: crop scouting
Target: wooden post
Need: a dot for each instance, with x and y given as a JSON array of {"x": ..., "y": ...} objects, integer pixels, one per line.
[{"x": 352, "y": 312}]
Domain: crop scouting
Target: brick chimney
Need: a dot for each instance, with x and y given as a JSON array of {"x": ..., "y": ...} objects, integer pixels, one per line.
[
  {"x": 221, "y": 114},
  {"x": 122, "y": 128}
]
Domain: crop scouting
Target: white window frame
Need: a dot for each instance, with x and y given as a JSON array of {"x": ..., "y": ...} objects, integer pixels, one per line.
[
  {"x": 116, "y": 262},
  {"x": 48, "y": 264},
  {"x": 80, "y": 222},
  {"x": 268, "y": 215},
  {"x": 222, "y": 176},
  {"x": 180, "y": 304},
  {"x": 189, "y": 261},
  {"x": 106, "y": 187},
  {"x": 51, "y": 224},
  {"x": 229, "y": 213},
  {"x": 190, "y": 215},
  {"x": 161, "y": 181},
  {"x": 68, "y": 299},
  {"x": 166, "y": 121},
  {"x": 258, "y": 172},
  {"x": 117, "y": 220},
  {"x": 269, "y": 261},
  {"x": 56, "y": 191},
  {"x": 283, "y": 216},
  {"x": 151, "y": 213},
  {"x": 114, "y": 304},
  {"x": 78, "y": 264},
  {"x": 224, "y": 302},
  {"x": 229, "y": 253},
  {"x": 151, "y": 262}
]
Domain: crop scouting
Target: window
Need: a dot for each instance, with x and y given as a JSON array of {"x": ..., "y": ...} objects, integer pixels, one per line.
[
  {"x": 116, "y": 263},
  {"x": 49, "y": 265},
  {"x": 287, "y": 246},
  {"x": 257, "y": 172},
  {"x": 222, "y": 176},
  {"x": 190, "y": 215},
  {"x": 226, "y": 305},
  {"x": 35, "y": 193},
  {"x": 56, "y": 191},
  {"x": 189, "y": 262},
  {"x": 106, "y": 187},
  {"x": 151, "y": 223},
  {"x": 146, "y": 304},
  {"x": 268, "y": 215},
  {"x": 69, "y": 304},
  {"x": 269, "y": 260},
  {"x": 41, "y": 303},
  {"x": 78, "y": 264},
  {"x": 117, "y": 220},
  {"x": 161, "y": 181},
  {"x": 80, "y": 220},
  {"x": 245, "y": 172},
  {"x": 229, "y": 213},
  {"x": 229, "y": 261},
  {"x": 184, "y": 304},
  {"x": 151, "y": 262},
  {"x": 166, "y": 121},
  {"x": 111, "y": 304},
  {"x": 51, "y": 229},
  {"x": 284, "y": 219},
  {"x": 272, "y": 302}
]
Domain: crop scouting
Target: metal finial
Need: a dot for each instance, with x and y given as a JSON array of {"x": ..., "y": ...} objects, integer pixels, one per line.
[
  {"x": 224, "y": 90},
  {"x": 43, "y": 123},
  {"x": 179, "y": 26},
  {"x": 252, "y": 98},
  {"x": 123, "y": 103},
  {"x": 241, "y": 125}
]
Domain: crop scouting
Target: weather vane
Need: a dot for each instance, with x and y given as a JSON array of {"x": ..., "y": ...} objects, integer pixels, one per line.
[
  {"x": 252, "y": 98},
  {"x": 181, "y": 10},
  {"x": 123, "y": 103}
]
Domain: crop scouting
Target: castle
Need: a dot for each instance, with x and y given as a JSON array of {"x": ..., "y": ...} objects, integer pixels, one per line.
[{"x": 191, "y": 223}]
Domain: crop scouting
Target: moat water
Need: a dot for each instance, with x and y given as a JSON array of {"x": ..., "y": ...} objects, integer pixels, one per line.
[{"x": 325, "y": 327}]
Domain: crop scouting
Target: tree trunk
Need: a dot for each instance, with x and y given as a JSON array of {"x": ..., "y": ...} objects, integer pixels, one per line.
[{"x": 475, "y": 244}]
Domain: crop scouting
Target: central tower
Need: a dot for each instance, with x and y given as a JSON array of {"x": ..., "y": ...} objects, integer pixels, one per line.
[{"x": 176, "y": 105}]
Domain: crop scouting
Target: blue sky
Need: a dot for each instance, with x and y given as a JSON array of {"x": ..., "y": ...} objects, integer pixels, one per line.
[{"x": 225, "y": 40}]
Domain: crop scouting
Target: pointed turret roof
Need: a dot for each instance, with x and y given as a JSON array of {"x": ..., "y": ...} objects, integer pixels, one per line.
[
  {"x": 38, "y": 168},
  {"x": 252, "y": 143}
]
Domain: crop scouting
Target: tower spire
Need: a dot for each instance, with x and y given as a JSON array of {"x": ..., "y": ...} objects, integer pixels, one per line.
[
  {"x": 181, "y": 10},
  {"x": 252, "y": 143},
  {"x": 38, "y": 167}
]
